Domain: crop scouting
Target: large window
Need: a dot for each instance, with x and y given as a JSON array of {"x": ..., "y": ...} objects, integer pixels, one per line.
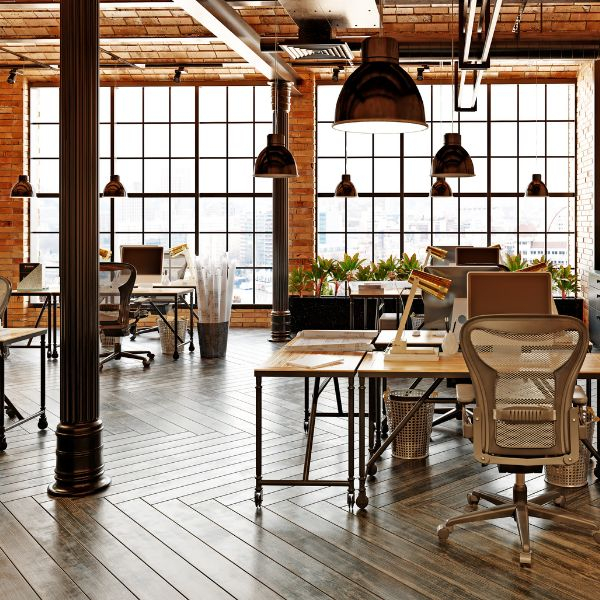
[
  {"x": 185, "y": 156},
  {"x": 517, "y": 130}
]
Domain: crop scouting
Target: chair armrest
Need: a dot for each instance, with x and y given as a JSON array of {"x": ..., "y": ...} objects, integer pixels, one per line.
[
  {"x": 465, "y": 394},
  {"x": 579, "y": 397}
]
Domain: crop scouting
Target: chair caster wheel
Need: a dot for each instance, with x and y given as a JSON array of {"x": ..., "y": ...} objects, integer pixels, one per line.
[
  {"x": 372, "y": 470},
  {"x": 472, "y": 499},
  {"x": 10, "y": 413},
  {"x": 350, "y": 500},
  {"x": 146, "y": 364},
  {"x": 525, "y": 559},
  {"x": 43, "y": 422},
  {"x": 596, "y": 536},
  {"x": 443, "y": 532},
  {"x": 151, "y": 356},
  {"x": 560, "y": 501},
  {"x": 258, "y": 498}
]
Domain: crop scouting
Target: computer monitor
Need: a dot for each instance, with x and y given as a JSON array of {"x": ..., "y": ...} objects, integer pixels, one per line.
[
  {"x": 147, "y": 260},
  {"x": 436, "y": 311},
  {"x": 466, "y": 255},
  {"x": 509, "y": 293}
]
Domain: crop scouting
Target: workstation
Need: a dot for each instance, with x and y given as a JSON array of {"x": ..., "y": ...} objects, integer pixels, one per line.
[{"x": 299, "y": 299}]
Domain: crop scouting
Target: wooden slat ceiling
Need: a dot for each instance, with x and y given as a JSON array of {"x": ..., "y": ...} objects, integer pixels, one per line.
[{"x": 132, "y": 31}]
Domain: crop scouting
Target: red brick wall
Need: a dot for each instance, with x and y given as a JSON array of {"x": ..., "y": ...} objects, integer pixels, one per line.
[{"x": 585, "y": 175}]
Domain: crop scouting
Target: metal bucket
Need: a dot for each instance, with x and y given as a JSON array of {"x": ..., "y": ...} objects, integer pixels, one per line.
[
  {"x": 413, "y": 441},
  {"x": 213, "y": 339}
]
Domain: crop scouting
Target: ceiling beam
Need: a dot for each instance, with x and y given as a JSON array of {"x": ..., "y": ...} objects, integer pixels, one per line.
[
  {"x": 222, "y": 20},
  {"x": 132, "y": 41}
]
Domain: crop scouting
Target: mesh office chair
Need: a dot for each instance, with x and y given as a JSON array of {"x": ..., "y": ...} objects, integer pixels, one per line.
[
  {"x": 116, "y": 284},
  {"x": 524, "y": 369}
]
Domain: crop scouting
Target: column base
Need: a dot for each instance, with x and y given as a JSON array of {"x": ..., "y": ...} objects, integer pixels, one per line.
[
  {"x": 280, "y": 326},
  {"x": 79, "y": 465}
]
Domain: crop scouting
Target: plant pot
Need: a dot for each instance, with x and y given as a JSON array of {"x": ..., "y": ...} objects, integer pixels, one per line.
[
  {"x": 212, "y": 338},
  {"x": 570, "y": 307}
]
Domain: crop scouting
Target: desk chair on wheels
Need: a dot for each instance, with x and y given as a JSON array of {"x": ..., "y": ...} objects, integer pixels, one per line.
[
  {"x": 116, "y": 284},
  {"x": 524, "y": 370}
]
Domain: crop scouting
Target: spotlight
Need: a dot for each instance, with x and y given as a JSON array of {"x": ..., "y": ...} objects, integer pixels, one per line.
[
  {"x": 178, "y": 72},
  {"x": 12, "y": 77},
  {"x": 335, "y": 76},
  {"x": 420, "y": 70}
]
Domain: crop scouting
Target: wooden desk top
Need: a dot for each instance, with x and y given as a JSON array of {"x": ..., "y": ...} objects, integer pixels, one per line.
[
  {"x": 427, "y": 337},
  {"x": 447, "y": 366},
  {"x": 40, "y": 292},
  {"x": 161, "y": 291},
  {"x": 12, "y": 335},
  {"x": 277, "y": 365}
]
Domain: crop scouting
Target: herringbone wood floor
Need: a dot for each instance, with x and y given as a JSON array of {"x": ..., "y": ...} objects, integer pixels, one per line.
[{"x": 178, "y": 520}]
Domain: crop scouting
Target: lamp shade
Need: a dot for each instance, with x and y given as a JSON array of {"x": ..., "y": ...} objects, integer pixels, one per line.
[
  {"x": 440, "y": 188},
  {"x": 275, "y": 161},
  {"x": 114, "y": 188},
  {"x": 345, "y": 188},
  {"x": 380, "y": 96},
  {"x": 452, "y": 160},
  {"x": 22, "y": 189},
  {"x": 537, "y": 187}
]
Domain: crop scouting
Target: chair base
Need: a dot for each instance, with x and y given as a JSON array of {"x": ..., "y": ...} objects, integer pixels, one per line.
[
  {"x": 118, "y": 353},
  {"x": 520, "y": 509}
]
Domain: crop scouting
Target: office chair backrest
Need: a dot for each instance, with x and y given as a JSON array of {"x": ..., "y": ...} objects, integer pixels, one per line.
[
  {"x": 524, "y": 369},
  {"x": 115, "y": 287},
  {"x": 437, "y": 310},
  {"x": 5, "y": 291}
]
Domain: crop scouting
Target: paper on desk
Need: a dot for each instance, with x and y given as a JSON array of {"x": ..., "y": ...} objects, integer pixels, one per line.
[{"x": 314, "y": 361}]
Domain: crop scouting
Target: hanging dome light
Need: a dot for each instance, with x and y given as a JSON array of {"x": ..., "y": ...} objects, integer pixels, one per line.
[
  {"x": 536, "y": 188},
  {"x": 440, "y": 188},
  {"x": 275, "y": 160},
  {"x": 114, "y": 188},
  {"x": 452, "y": 160},
  {"x": 345, "y": 188},
  {"x": 380, "y": 96},
  {"x": 22, "y": 189}
]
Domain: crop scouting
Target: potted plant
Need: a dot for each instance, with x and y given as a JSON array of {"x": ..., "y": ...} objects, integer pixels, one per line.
[
  {"x": 565, "y": 281},
  {"x": 515, "y": 262},
  {"x": 299, "y": 282},
  {"x": 346, "y": 270},
  {"x": 407, "y": 264},
  {"x": 320, "y": 271},
  {"x": 385, "y": 269}
]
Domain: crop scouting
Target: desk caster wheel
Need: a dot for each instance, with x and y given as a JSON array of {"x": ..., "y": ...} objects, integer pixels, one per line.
[
  {"x": 305, "y": 426},
  {"x": 372, "y": 470},
  {"x": 362, "y": 501},
  {"x": 43, "y": 422},
  {"x": 146, "y": 364},
  {"x": 350, "y": 500},
  {"x": 258, "y": 498},
  {"x": 473, "y": 500},
  {"x": 443, "y": 532},
  {"x": 525, "y": 559}
]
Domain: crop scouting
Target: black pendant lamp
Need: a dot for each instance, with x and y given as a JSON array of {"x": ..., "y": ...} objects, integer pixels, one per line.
[
  {"x": 114, "y": 188},
  {"x": 275, "y": 161},
  {"x": 536, "y": 188},
  {"x": 345, "y": 188},
  {"x": 380, "y": 96},
  {"x": 440, "y": 188},
  {"x": 22, "y": 189},
  {"x": 452, "y": 160}
]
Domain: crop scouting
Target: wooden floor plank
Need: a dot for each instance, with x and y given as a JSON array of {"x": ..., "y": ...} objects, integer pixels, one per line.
[{"x": 12, "y": 584}]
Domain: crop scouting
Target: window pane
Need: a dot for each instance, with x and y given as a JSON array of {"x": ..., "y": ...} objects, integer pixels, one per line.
[
  {"x": 183, "y": 217},
  {"x": 331, "y": 214},
  {"x": 361, "y": 243},
  {"x": 558, "y": 215},
  {"x": 263, "y": 286},
  {"x": 44, "y": 141},
  {"x": 182, "y": 104},
  {"x": 243, "y": 286},
  {"x": 44, "y": 105},
  {"x": 183, "y": 175},
  {"x": 331, "y": 245},
  {"x": 156, "y": 175},
  {"x": 532, "y": 139},
  {"x": 386, "y": 244},
  {"x": 213, "y": 140},
  {"x": 473, "y": 214},
  {"x": 329, "y": 174},
  {"x": 531, "y": 214},
  {"x": 389, "y": 144},
  {"x": 156, "y": 140},
  {"x": 240, "y": 140},
  {"x": 128, "y": 214},
  {"x": 473, "y": 239},
  {"x": 44, "y": 249},
  {"x": 103, "y": 216},
  {"x": 474, "y": 138},
  {"x": 503, "y": 139},
  {"x": 240, "y": 103},
  {"x": 445, "y": 214},
  {"x": 212, "y": 176},
  {"x": 263, "y": 253},
  {"x": 504, "y": 214},
  {"x": 241, "y": 175},
  {"x": 212, "y": 104},
  {"x": 212, "y": 214},
  {"x": 212, "y": 243},
  {"x": 156, "y": 104},
  {"x": 560, "y": 139},
  {"x": 156, "y": 214},
  {"x": 560, "y": 250},
  {"x": 503, "y": 175},
  {"x": 359, "y": 144},
  {"x": 104, "y": 140},
  {"x": 44, "y": 214},
  {"x": 504, "y": 103},
  {"x": 131, "y": 171},
  {"x": 262, "y": 104},
  {"x": 414, "y": 243},
  {"x": 532, "y": 101},
  {"x": 360, "y": 214},
  {"x": 326, "y": 99},
  {"x": 417, "y": 214},
  {"x": 331, "y": 142},
  {"x": 241, "y": 249},
  {"x": 128, "y": 140},
  {"x": 561, "y": 175},
  {"x": 128, "y": 105},
  {"x": 44, "y": 175},
  {"x": 417, "y": 175},
  {"x": 477, "y": 184},
  {"x": 387, "y": 214},
  {"x": 532, "y": 246},
  {"x": 415, "y": 144},
  {"x": 561, "y": 101},
  {"x": 240, "y": 214},
  {"x": 183, "y": 140},
  {"x": 387, "y": 175},
  {"x": 263, "y": 211}
]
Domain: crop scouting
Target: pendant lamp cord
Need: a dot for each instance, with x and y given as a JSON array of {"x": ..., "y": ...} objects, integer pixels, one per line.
[
  {"x": 276, "y": 84},
  {"x": 452, "y": 68}
]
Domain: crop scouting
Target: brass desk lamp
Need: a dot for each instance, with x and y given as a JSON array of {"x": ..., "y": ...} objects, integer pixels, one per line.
[{"x": 434, "y": 251}]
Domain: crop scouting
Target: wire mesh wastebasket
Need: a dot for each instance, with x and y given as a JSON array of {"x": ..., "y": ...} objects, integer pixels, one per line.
[
  {"x": 167, "y": 335},
  {"x": 108, "y": 341},
  {"x": 413, "y": 441},
  {"x": 575, "y": 475}
]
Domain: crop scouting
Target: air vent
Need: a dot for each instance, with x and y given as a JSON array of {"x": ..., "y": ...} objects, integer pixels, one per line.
[{"x": 318, "y": 52}]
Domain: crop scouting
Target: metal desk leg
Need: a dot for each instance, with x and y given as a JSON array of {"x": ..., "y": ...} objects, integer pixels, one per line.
[
  {"x": 49, "y": 353},
  {"x": 306, "y": 402},
  {"x": 385, "y": 428},
  {"x": 311, "y": 430},
  {"x": 2, "y": 435},
  {"x": 258, "y": 491},
  {"x": 350, "y": 442},
  {"x": 378, "y": 413},
  {"x": 372, "y": 410},
  {"x": 191, "y": 347},
  {"x": 361, "y": 500},
  {"x": 43, "y": 422},
  {"x": 54, "y": 302},
  {"x": 176, "y": 351}
]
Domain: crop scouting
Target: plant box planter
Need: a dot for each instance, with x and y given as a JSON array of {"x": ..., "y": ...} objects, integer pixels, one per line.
[{"x": 571, "y": 307}]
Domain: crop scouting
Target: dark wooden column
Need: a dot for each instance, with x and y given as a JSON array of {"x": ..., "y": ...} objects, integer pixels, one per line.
[
  {"x": 280, "y": 314},
  {"x": 79, "y": 464}
]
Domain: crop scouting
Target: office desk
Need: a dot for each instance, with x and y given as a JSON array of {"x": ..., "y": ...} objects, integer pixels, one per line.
[
  {"x": 153, "y": 294},
  {"x": 426, "y": 337},
  {"x": 277, "y": 366},
  {"x": 8, "y": 337},
  {"x": 395, "y": 293},
  {"x": 374, "y": 367}
]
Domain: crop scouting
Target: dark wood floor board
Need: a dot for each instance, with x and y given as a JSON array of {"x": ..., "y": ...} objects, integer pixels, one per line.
[
  {"x": 214, "y": 565},
  {"x": 183, "y": 576},
  {"x": 241, "y": 551},
  {"x": 409, "y": 565},
  {"x": 91, "y": 576},
  {"x": 325, "y": 577},
  {"x": 12, "y": 584},
  {"x": 46, "y": 578}
]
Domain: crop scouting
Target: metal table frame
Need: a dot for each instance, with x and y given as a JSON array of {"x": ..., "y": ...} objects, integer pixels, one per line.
[{"x": 5, "y": 403}]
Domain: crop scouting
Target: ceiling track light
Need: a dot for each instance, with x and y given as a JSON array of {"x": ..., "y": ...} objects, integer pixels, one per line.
[
  {"x": 179, "y": 71},
  {"x": 12, "y": 76},
  {"x": 422, "y": 69}
]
